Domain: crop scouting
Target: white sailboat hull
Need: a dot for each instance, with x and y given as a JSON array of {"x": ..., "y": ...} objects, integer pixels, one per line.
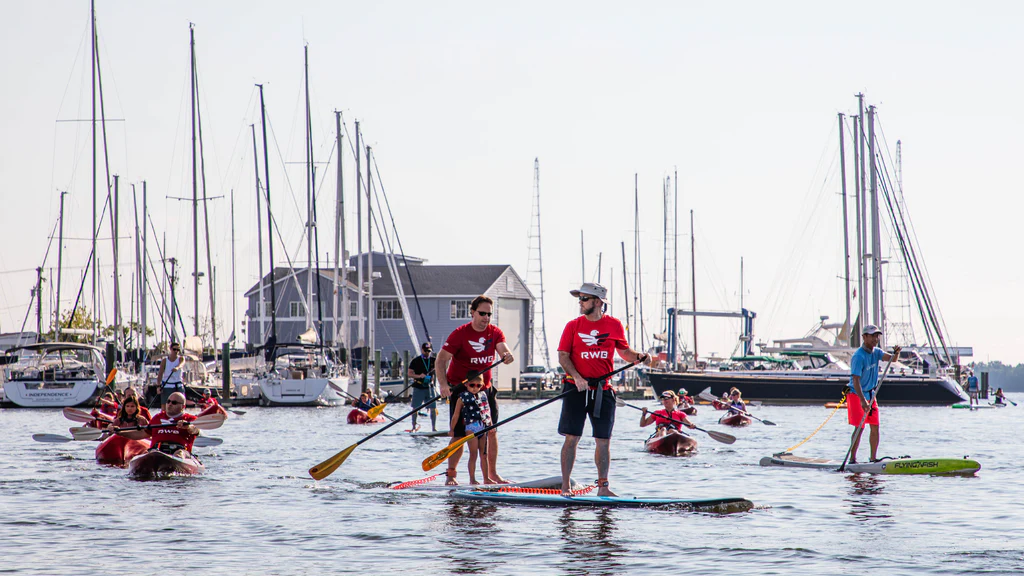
[
  {"x": 299, "y": 392},
  {"x": 29, "y": 394}
]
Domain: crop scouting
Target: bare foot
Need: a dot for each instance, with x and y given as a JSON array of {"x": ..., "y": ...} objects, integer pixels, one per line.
[
  {"x": 451, "y": 481},
  {"x": 497, "y": 480},
  {"x": 473, "y": 482},
  {"x": 566, "y": 490},
  {"x": 606, "y": 492}
]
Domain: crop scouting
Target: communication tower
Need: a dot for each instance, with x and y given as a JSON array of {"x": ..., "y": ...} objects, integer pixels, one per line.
[{"x": 535, "y": 278}]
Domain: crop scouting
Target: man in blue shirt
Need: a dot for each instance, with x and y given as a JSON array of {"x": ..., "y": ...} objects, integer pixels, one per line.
[
  {"x": 972, "y": 389},
  {"x": 864, "y": 383}
]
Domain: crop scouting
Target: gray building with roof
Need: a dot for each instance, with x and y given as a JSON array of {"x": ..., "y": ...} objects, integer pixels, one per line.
[{"x": 437, "y": 300}]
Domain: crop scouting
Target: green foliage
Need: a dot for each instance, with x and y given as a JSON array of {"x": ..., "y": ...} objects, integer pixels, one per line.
[{"x": 1009, "y": 378}]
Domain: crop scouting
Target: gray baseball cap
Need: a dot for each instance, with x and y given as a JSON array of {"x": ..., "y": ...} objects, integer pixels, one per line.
[
  {"x": 871, "y": 329},
  {"x": 591, "y": 289}
]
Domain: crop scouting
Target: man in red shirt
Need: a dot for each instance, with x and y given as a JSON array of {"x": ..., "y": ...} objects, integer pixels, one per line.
[
  {"x": 587, "y": 351},
  {"x": 469, "y": 349},
  {"x": 179, "y": 437}
]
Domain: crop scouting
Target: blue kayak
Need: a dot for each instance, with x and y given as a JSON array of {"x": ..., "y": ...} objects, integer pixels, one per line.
[{"x": 709, "y": 505}]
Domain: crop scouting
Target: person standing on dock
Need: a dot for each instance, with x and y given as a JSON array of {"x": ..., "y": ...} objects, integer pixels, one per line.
[
  {"x": 470, "y": 348},
  {"x": 421, "y": 370},
  {"x": 863, "y": 382},
  {"x": 586, "y": 352}
]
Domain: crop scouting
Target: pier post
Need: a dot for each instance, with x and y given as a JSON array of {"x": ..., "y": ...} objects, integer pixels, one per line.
[
  {"x": 225, "y": 374},
  {"x": 376, "y": 372},
  {"x": 513, "y": 388},
  {"x": 405, "y": 373},
  {"x": 364, "y": 365},
  {"x": 984, "y": 385}
]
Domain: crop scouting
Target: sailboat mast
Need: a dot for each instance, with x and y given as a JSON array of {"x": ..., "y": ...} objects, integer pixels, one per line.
[
  {"x": 359, "y": 245},
  {"x": 262, "y": 310},
  {"x": 876, "y": 232},
  {"x": 60, "y": 268},
  {"x": 371, "y": 312},
  {"x": 625, "y": 298},
  {"x": 583, "y": 260},
  {"x": 270, "y": 221},
  {"x": 309, "y": 200},
  {"x": 862, "y": 237},
  {"x": 195, "y": 185},
  {"x": 143, "y": 308},
  {"x": 846, "y": 221},
  {"x": 234, "y": 292},
  {"x": 675, "y": 268},
  {"x": 114, "y": 216},
  {"x": 340, "y": 258},
  {"x": 95, "y": 292},
  {"x": 693, "y": 287}
]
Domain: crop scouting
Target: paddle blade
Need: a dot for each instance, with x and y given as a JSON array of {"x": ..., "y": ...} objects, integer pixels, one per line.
[
  {"x": 110, "y": 377},
  {"x": 206, "y": 441},
  {"x": 209, "y": 422},
  {"x": 239, "y": 412},
  {"x": 76, "y": 415},
  {"x": 722, "y": 437},
  {"x": 85, "y": 433},
  {"x": 705, "y": 394},
  {"x": 375, "y": 411},
  {"x": 768, "y": 422},
  {"x": 435, "y": 459},
  {"x": 52, "y": 438},
  {"x": 327, "y": 467}
]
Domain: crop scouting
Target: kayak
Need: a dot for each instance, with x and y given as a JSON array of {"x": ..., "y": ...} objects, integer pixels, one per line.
[
  {"x": 720, "y": 505},
  {"x": 357, "y": 416},
  {"x": 977, "y": 406},
  {"x": 672, "y": 444},
  {"x": 720, "y": 405},
  {"x": 689, "y": 411},
  {"x": 118, "y": 450},
  {"x": 157, "y": 463},
  {"x": 902, "y": 466},
  {"x": 734, "y": 420}
]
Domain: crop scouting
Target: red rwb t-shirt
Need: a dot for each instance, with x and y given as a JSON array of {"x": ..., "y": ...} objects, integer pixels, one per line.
[
  {"x": 472, "y": 351},
  {"x": 661, "y": 418},
  {"x": 592, "y": 345},
  {"x": 171, "y": 434}
]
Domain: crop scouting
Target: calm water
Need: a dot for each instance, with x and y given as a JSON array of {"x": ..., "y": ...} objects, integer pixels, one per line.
[{"x": 257, "y": 512}]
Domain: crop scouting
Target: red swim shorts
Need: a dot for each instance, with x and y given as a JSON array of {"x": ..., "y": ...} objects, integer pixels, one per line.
[{"x": 855, "y": 411}]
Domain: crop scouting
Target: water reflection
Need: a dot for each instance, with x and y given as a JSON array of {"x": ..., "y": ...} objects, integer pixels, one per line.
[
  {"x": 865, "y": 490},
  {"x": 589, "y": 545},
  {"x": 471, "y": 529}
]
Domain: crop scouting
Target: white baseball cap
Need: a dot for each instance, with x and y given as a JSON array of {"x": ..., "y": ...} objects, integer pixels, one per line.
[{"x": 871, "y": 329}]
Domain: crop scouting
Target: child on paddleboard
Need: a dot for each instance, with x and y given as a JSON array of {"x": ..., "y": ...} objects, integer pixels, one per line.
[{"x": 473, "y": 408}]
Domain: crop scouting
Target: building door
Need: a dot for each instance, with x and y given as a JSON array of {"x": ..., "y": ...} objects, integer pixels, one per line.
[{"x": 509, "y": 319}]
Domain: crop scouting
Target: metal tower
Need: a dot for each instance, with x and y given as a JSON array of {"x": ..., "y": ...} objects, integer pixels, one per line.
[{"x": 535, "y": 276}]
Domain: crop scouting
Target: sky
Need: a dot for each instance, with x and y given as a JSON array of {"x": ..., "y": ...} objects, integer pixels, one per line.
[{"x": 458, "y": 98}]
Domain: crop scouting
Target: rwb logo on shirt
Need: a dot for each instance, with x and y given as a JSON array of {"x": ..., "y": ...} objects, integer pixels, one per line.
[
  {"x": 599, "y": 354},
  {"x": 480, "y": 345},
  {"x": 484, "y": 360},
  {"x": 593, "y": 339}
]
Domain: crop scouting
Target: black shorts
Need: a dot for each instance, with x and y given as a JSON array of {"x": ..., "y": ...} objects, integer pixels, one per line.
[
  {"x": 492, "y": 401},
  {"x": 575, "y": 413}
]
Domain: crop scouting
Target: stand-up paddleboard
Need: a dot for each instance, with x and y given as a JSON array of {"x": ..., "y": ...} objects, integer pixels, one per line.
[
  {"x": 719, "y": 505},
  {"x": 551, "y": 482},
  {"x": 433, "y": 434},
  {"x": 977, "y": 406},
  {"x": 902, "y": 466}
]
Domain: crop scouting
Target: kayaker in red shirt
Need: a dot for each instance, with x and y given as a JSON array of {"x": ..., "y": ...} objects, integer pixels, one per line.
[
  {"x": 133, "y": 393},
  {"x": 586, "y": 352},
  {"x": 210, "y": 405},
  {"x": 471, "y": 348},
  {"x": 669, "y": 401},
  {"x": 178, "y": 438}
]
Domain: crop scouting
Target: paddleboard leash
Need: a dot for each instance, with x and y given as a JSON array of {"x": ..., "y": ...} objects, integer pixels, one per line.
[
  {"x": 412, "y": 483},
  {"x": 816, "y": 430},
  {"x": 523, "y": 490}
]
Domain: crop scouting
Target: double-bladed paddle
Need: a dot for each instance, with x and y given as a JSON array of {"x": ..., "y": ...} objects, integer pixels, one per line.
[
  {"x": 208, "y": 422},
  {"x": 705, "y": 394},
  {"x": 860, "y": 427},
  {"x": 435, "y": 459},
  {"x": 720, "y": 436},
  {"x": 373, "y": 412},
  {"x": 200, "y": 442},
  {"x": 327, "y": 467}
]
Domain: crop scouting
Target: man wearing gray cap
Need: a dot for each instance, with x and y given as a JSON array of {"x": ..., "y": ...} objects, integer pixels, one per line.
[
  {"x": 587, "y": 351},
  {"x": 864, "y": 382}
]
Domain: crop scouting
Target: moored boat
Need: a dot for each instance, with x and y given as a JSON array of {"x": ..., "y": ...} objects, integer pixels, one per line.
[
  {"x": 54, "y": 375},
  {"x": 357, "y": 416},
  {"x": 118, "y": 450},
  {"x": 156, "y": 463},
  {"x": 671, "y": 444},
  {"x": 736, "y": 420}
]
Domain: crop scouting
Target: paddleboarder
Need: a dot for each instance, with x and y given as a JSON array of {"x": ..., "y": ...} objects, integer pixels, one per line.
[
  {"x": 973, "y": 389},
  {"x": 586, "y": 351},
  {"x": 469, "y": 348},
  {"x": 421, "y": 370},
  {"x": 863, "y": 381},
  {"x": 472, "y": 411},
  {"x": 1000, "y": 396}
]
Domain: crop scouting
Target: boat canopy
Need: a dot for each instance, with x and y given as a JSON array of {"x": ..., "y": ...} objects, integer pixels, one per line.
[{"x": 48, "y": 347}]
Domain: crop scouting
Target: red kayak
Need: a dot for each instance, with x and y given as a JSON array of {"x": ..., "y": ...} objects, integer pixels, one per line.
[
  {"x": 118, "y": 450},
  {"x": 720, "y": 405},
  {"x": 671, "y": 444},
  {"x": 734, "y": 420},
  {"x": 357, "y": 416},
  {"x": 156, "y": 463}
]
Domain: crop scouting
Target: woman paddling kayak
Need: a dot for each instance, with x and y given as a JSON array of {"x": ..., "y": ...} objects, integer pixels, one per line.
[{"x": 661, "y": 417}]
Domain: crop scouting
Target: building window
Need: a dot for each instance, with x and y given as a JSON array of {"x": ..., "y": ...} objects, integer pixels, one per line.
[
  {"x": 460, "y": 309},
  {"x": 295, "y": 310},
  {"x": 389, "y": 310},
  {"x": 508, "y": 284},
  {"x": 353, "y": 310}
]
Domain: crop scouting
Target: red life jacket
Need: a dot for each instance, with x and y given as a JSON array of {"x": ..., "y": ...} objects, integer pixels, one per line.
[{"x": 171, "y": 434}]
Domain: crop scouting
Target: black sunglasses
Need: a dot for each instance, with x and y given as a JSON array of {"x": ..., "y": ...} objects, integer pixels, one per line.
[
  {"x": 488, "y": 314},
  {"x": 174, "y": 402},
  {"x": 587, "y": 298}
]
